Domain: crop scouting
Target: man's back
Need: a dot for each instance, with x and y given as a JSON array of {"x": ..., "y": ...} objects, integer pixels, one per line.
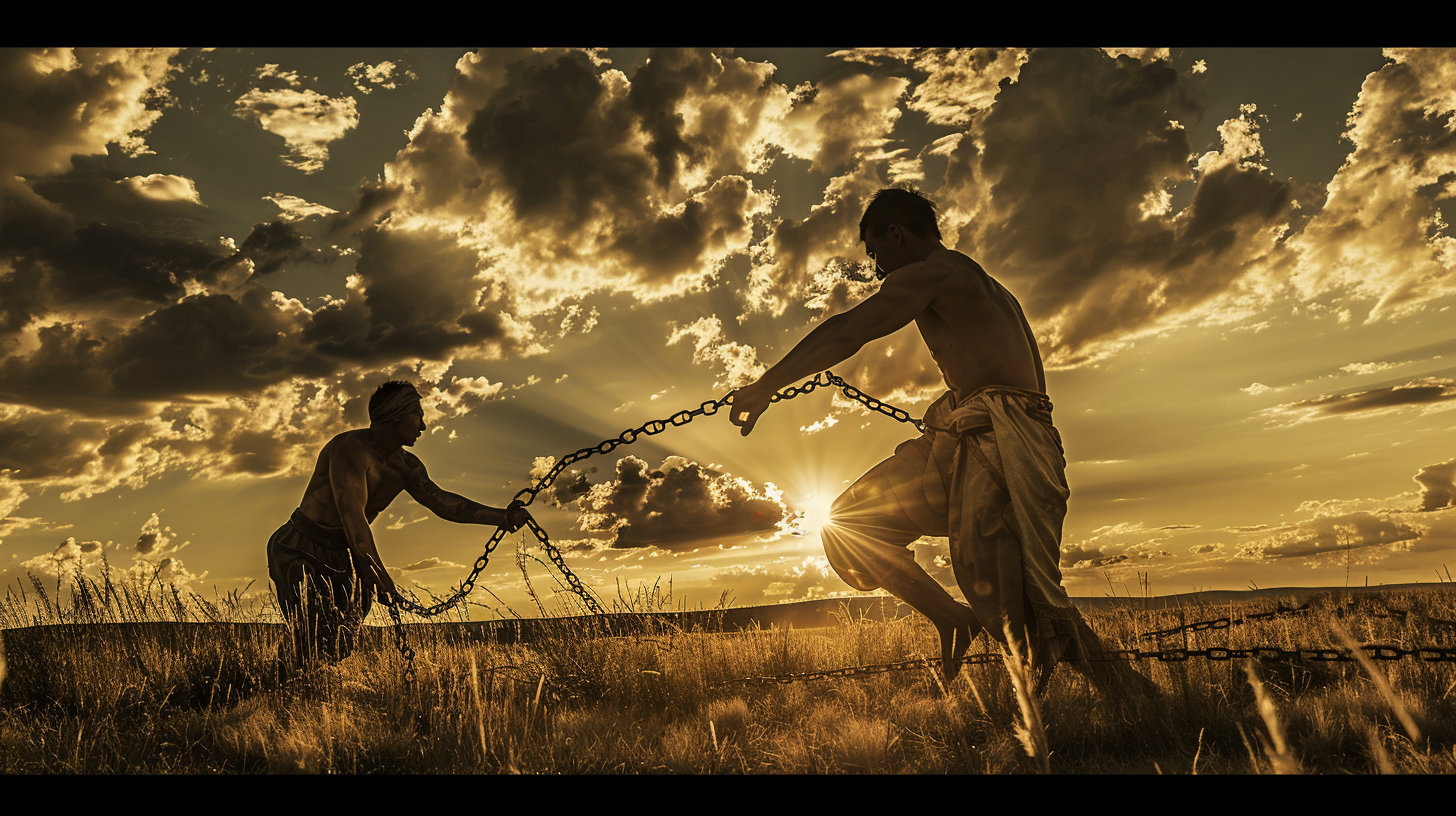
[{"x": 973, "y": 327}]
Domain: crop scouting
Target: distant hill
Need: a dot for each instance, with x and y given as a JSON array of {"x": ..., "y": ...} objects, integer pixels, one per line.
[{"x": 1222, "y": 596}]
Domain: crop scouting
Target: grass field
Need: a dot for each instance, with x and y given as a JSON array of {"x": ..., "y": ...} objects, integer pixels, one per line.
[{"x": 147, "y": 680}]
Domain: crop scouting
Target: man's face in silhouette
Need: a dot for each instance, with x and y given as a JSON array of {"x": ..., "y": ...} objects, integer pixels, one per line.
[
  {"x": 408, "y": 428},
  {"x": 888, "y": 251}
]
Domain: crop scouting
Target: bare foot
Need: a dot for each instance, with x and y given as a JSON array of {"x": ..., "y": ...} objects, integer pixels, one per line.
[{"x": 954, "y": 641}]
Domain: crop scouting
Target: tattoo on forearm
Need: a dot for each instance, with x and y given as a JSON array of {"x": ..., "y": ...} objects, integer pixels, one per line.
[{"x": 452, "y": 507}]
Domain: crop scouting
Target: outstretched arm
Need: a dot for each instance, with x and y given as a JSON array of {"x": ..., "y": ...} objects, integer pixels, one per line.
[
  {"x": 903, "y": 296},
  {"x": 457, "y": 508}
]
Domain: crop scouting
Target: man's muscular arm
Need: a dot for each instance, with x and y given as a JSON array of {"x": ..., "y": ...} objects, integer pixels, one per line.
[
  {"x": 348, "y": 477},
  {"x": 904, "y": 295},
  {"x": 457, "y": 508}
]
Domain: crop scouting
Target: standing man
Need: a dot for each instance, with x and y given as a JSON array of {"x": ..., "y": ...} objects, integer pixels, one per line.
[
  {"x": 322, "y": 561},
  {"x": 987, "y": 472}
]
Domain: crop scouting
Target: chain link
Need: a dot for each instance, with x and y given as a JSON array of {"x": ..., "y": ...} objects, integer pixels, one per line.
[
  {"x": 1223, "y": 623},
  {"x": 1430, "y": 654},
  {"x": 527, "y": 495}
]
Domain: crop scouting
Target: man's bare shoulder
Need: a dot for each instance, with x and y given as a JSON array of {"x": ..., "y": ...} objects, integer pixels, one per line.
[
  {"x": 348, "y": 449},
  {"x": 945, "y": 271},
  {"x": 950, "y": 259},
  {"x": 348, "y": 440}
]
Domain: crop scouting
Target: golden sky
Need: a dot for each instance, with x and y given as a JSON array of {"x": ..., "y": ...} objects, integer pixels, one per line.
[{"x": 1237, "y": 261}]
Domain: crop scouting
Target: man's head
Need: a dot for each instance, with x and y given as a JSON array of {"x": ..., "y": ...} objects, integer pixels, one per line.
[
  {"x": 395, "y": 409},
  {"x": 894, "y": 224}
]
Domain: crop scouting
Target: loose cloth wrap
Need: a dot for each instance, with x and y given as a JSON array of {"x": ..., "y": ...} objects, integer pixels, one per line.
[
  {"x": 989, "y": 473},
  {"x": 321, "y": 593}
]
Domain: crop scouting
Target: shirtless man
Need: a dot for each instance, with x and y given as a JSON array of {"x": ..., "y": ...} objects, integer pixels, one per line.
[
  {"x": 323, "y": 562},
  {"x": 988, "y": 471}
]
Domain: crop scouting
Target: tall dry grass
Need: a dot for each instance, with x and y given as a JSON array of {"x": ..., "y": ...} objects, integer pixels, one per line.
[{"x": 109, "y": 688}]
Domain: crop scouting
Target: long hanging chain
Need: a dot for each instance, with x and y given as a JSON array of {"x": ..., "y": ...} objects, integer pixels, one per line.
[{"x": 528, "y": 495}]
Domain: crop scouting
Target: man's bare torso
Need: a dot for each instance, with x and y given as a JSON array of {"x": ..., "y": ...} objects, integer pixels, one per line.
[
  {"x": 385, "y": 478},
  {"x": 976, "y": 331}
]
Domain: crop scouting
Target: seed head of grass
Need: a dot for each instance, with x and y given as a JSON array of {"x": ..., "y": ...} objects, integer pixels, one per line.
[
  {"x": 1029, "y": 731},
  {"x": 1276, "y": 747}
]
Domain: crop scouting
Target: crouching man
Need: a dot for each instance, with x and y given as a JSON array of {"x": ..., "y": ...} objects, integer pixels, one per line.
[{"x": 323, "y": 561}]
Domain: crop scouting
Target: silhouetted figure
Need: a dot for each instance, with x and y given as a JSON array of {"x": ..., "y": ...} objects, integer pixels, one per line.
[
  {"x": 323, "y": 562},
  {"x": 989, "y": 470}
]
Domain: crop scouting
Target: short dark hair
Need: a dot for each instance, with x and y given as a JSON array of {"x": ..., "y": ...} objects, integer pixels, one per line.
[
  {"x": 907, "y": 207},
  {"x": 383, "y": 392}
]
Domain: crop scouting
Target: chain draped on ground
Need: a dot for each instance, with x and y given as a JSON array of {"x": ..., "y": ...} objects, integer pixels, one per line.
[
  {"x": 528, "y": 495},
  {"x": 1430, "y": 654}
]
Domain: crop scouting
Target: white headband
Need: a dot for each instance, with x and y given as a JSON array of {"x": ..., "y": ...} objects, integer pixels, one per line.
[{"x": 398, "y": 404}]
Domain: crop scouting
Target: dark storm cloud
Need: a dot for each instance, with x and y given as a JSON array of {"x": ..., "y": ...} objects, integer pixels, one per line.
[
  {"x": 1057, "y": 189},
  {"x": 44, "y": 445},
  {"x": 106, "y": 243},
  {"x": 420, "y": 299},
  {"x": 95, "y": 188},
  {"x": 673, "y": 242},
  {"x": 109, "y": 261},
  {"x": 680, "y": 506},
  {"x": 269, "y": 246},
  {"x": 1425, "y": 391},
  {"x": 580, "y": 179},
  {"x": 553, "y": 136},
  {"x": 59, "y": 102},
  {"x": 1360, "y": 531},
  {"x": 657, "y": 87},
  {"x": 570, "y": 486},
  {"x": 1438, "y": 485},
  {"x": 66, "y": 369},
  {"x": 203, "y": 344}
]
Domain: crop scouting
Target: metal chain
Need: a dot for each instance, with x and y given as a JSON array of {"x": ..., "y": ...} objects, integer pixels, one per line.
[
  {"x": 1430, "y": 654},
  {"x": 1223, "y": 623},
  {"x": 527, "y": 495}
]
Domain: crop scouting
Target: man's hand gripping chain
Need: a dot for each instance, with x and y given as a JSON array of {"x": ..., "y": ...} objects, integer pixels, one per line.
[{"x": 526, "y": 496}]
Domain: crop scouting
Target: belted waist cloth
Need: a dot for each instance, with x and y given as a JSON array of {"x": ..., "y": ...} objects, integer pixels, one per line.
[
  {"x": 327, "y": 536},
  {"x": 1008, "y": 495},
  {"x": 325, "y": 548}
]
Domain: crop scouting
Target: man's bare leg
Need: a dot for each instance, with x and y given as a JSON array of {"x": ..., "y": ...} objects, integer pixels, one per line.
[{"x": 955, "y": 621}]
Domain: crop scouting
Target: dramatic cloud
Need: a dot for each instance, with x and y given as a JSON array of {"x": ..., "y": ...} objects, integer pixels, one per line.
[
  {"x": 1370, "y": 534},
  {"x": 64, "y": 562},
  {"x": 571, "y": 178},
  {"x": 1438, "y": 485},
  {"x": 59, "y": 102},
  {"x": 957, "y": 82},
  {"x": 736, "y": 364},
  {"x": 12, "y": 495},
  {"x": 1060, "y": 189},
  {"x": 429, "y": 564},
  {"x": 154, "y": 561},
  {"x": 307, "y": 120},
  {"x": 1380, "y": 234},
  {"x": 782, "y": 580},
  {"x": 1429, "y": 393},
  {"x": 386, "y": 75},
  {"x": 1119, "y": 543},
  {"x": 294, "y": 208},
  {"x": 681, "y": 505}
]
